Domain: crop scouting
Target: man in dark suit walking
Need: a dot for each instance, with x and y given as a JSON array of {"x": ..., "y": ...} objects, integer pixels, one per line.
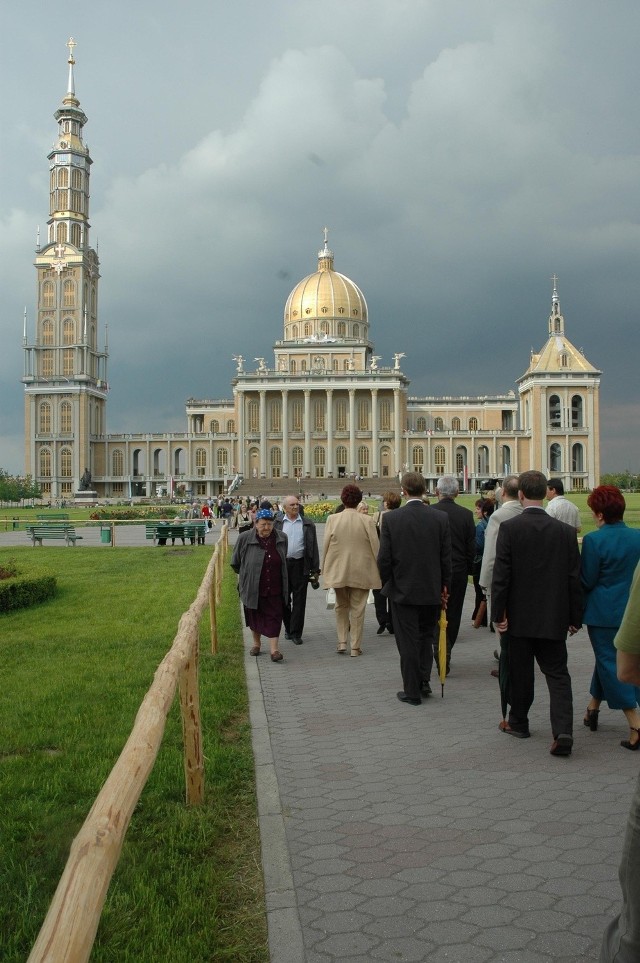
[
  {"x": 463, "y": 550},
  {"x": 415, "y": 569},
  {"x": 536, "y": 597},
  {"x": 303, "y": 565}
]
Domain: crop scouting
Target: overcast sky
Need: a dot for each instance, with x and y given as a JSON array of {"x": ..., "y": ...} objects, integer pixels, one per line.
[{"x": 459, "y": 152}]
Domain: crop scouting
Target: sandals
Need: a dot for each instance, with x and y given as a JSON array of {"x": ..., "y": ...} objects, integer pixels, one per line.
[
  {"x": 255, "y": 650},
  {"x": 591, "y": 719},
  {"x": 277, "y": 656},
  {"x": 627, "y": 744}
]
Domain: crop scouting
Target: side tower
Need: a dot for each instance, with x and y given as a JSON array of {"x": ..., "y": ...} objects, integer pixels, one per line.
[
  {"x": 65, "y": 374},
  {"x": 560, "y": 408}
]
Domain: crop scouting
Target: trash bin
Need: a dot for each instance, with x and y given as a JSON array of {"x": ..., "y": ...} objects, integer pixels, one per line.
[
  {"x": 105, "y": 534},
  {"x": 15, "y": 523}
]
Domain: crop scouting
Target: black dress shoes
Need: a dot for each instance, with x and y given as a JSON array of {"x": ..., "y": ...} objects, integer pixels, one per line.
[
  {"x": 562, "y": 745},
  {"x": 381, "y": 629},
  {"x": 403, "y": 697},
  {"x": 296, "y": 640},
  {"x": 426, "y": 689}
]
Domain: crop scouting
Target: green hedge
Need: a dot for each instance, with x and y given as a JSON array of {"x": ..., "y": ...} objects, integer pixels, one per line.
[{"x": 20, "y": 593}]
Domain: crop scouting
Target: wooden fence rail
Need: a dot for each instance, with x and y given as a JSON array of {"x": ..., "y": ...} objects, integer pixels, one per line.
[{"x": 71, "y": 923}]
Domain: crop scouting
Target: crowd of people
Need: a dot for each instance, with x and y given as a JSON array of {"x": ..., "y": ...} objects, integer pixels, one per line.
[{"x": 532, "y": 583}]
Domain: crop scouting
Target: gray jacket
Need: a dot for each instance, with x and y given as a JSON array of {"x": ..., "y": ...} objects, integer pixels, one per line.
[{"x": 247, "y": 561}]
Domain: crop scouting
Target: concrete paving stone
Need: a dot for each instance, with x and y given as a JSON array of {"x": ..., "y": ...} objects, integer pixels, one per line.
[
  {"x": 512, "y": 937},
  {"x": 448, "y": 932},
  {"x": 492, "y": 915},
  {"x": 344, "y": 921},
  {"x": 403, "y": 951},
  {"x": 478, "y": 896},
  {"x": 436, "y": 910},
  {"x": 343, "y": 946},
  {"x": 333, "y": 902},
  {"x": 524, "y": 956},
  {"x": 562, "y": 943},
  {"x": 394, "y": 927},
  {"x": 330, "y": 884},
  {"x": 529, "y": 900},
  {"x": 515, "y": 882},
  {"x": 545, "y": 920},
  {"x": 460, "y": 953}
]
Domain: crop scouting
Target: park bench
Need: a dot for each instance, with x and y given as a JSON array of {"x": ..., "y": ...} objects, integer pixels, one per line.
[
  {"x": 40, "y": 533},
  {"x": 190, "y": 530},
  {"x": 54, "y": 517}
]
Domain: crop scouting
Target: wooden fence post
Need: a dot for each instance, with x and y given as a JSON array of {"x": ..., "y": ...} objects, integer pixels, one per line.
[{"x": 191, "y": 724}]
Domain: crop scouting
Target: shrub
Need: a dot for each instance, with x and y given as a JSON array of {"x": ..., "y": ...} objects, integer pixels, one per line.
[{"x": 20, "y": 593}]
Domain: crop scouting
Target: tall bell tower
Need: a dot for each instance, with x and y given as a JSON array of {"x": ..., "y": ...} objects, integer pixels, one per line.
[{"x": 65, "y": 372}]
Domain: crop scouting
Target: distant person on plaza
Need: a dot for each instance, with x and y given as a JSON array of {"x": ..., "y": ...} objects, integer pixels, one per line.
[
  {"x": 484, "y": 511},
  {"x": 303, "y": 561},
  {"x": 415, "y": 569},
  {"x": 260, "y": 560},
  {"x": 509, "y": 507},
  {"x": 363, "y": 508},
  {"x": 390, "y": 501},
  {"x": 243, "y": 520},
  {"x": 621, "y": 940},
  {"x": 349, "y": 566},
  {"x": 560, "y": 507},
  {"x": 610, "y": 555},
  {"x": 536, "y": 597},
  {"x": 463, "y": 550}
]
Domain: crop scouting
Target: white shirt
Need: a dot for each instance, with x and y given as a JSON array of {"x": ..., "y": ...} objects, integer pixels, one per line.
[
  {"x": 294, "y": 530},
  {"x": 565, "y": 511}
]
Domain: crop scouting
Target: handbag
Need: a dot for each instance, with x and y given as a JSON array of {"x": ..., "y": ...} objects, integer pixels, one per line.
[
  {"x": 370, "y": 597},
  {"x": 331, "y": 598}
]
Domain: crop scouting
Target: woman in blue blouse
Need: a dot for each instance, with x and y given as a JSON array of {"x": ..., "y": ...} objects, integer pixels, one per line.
[{"x": 609, "y": 558}]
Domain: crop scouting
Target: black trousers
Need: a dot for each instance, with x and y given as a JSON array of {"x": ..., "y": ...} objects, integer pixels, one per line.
[
  {"x": 414, "y": 626},
  {"x": 551, "y": 656},
  {"x": 293, "y": 616},
  {"x": 383, "y": 608}
]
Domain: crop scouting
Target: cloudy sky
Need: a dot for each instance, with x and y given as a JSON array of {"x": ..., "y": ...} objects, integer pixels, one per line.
[{"x": 460, "y": 152}]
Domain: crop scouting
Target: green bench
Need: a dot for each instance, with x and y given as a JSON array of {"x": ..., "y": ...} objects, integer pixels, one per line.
[
  {"x": 54, "y": 517},
  {"x": 40, "y": 533},
  {"x": 162, "y": 533}
]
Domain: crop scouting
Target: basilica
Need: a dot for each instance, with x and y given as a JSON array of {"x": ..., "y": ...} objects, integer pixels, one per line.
[{"x": 323, "y": 409}]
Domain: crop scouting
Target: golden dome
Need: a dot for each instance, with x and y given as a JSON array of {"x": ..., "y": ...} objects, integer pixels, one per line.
[{"x": 325, "y": 304}]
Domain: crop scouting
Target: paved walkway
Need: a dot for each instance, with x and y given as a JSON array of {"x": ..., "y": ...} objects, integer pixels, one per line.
[{"x": 398, "y": 833}]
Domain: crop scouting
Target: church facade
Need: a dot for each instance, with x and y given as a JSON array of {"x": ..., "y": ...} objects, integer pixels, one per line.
[{"x": 324, "y": 409}]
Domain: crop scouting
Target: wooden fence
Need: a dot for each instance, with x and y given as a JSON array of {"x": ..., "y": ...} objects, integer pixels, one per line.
[{"x": 70, "y": 926}]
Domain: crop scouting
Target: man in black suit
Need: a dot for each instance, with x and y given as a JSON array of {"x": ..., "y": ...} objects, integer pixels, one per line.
[
  {"x": 303, "y": 565},
  {"x": 463, "y": 551},
  {"x": 415, "y": 569},
  {"x": 536, "y": 597}
]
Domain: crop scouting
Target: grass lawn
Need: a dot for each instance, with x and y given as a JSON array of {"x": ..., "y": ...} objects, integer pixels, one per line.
[{"x": 74, "y": 671}]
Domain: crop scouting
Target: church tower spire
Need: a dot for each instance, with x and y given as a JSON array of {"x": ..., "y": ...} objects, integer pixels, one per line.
[
  {"x": 556, "y": 320},
  {"x": 65, "y": 371}
]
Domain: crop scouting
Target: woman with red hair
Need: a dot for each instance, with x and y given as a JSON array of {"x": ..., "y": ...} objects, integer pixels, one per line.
[{"x": 609, "y": 558}]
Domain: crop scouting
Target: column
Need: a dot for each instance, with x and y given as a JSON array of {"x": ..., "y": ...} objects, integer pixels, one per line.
[
  {"x": 397, "y": 431},
  {"x": 330, "y": 449},
  {"x": 263, "y": 433},
  {"x": 307, "y": 432},
  {"x": 375, "y": 446},
  {"x": 352, "y": 430},
  {"x": 285, "y": 433},
  {"x": 240, "y": 454}
]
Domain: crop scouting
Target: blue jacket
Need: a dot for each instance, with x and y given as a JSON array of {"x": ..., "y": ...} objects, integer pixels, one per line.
[{"x": 609, "y": 558}]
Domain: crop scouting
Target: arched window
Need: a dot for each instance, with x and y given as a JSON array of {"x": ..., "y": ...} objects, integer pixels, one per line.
[
  {"x": 65, "y": 417},
  {"x": 555, "y": 458},
  {"x": 253, "y": 416},
  {"x": 48, "y": 295},
  {"x": 363, "y": 414},
  {"x": 483, "y": 460},
  {"x": 576, "y": 412},
  {"x": 335, "y": 364},
  {"x": 69, "y": 294},
  {"x": 303, "y": 365},
  {"x": 275, "y": 462},
  {"x": 318, "y": 461},
  {"x": 341, "y": 415},
  {"x": 201, "y": 462},
  {"x": 44, "y": 419},
  {"x": 46, "y": 364},
  {"x": 473, "y": 424},
  {"x": 65, "y": 463},
  {"x": 421, "y": 424},
  {"x": 275, "y": 416},
  {"x": 341, "y": 459},
  {"x": 385, "y": 415},
  {"x": 297, "y": 416},
  {"x": 47, "y": 331},
  {"x": 555, "y": 413},
  {"x": 418, "y": 458},
  {"x": 363, "y": 461},
  {"x": 222, "y": 459},
  {"x": 294, "y": 331},
  {"x": 297, "y": 461},
  {"x": 356, "y": 330},
  {"x": 506, "y": 460},
  {"x": 67, "y": 362},
  {"x": 318, "y": 415},
  {"x": 293, "y": 365},
  {"x": 577, "y": 458},
  {"x": 461, "y": 459},
  {"x": 307, "y": 329},
  {"x": 324, "y": 325},
  {"x": 45, "y": 462},
  {"x": 68, "y": 331},
  {"x": 117, "y": 463},
  {"x": 63, "y": 176},
  {"x": 455, "y": 424},
  {"x": 342, "y": 329},
  {"x": 439, "y": 459},
  {"x": 438, "y": 424},
  {"x": 61, "y": 233},
  {"x": 214, "y": 426},
  {"x": 345, "y": 364},
  {"x": 76, "y": 232},
  {"x": 231, "y": 426}
]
